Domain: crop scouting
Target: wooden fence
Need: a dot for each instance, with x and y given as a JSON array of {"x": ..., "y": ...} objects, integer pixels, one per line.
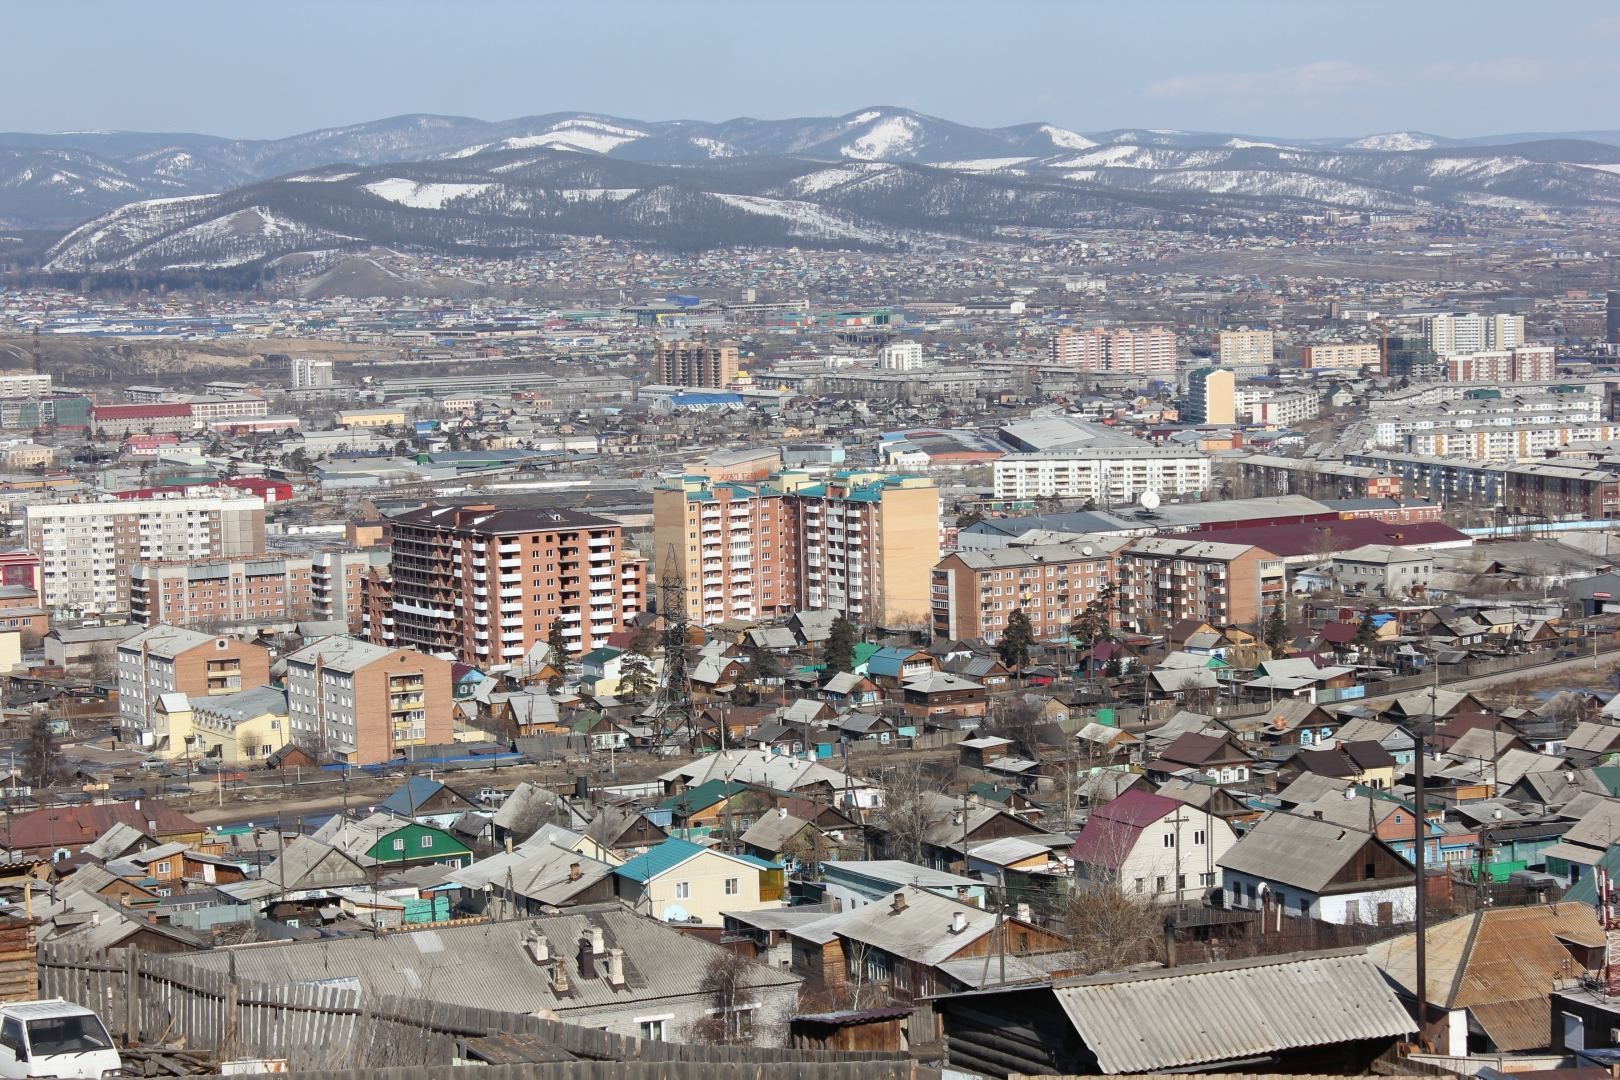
[{"x": 333, "y": 1030}]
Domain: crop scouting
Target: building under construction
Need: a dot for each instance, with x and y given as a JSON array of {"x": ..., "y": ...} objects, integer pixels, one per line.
[{"x": 696, "y": 363}]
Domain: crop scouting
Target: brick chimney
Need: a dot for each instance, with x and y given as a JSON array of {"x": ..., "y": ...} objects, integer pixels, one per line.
[
  {"x": 573, "y": 871},
  {"x": 899, "y": 902},
  {"x": 616, "y": 969}
]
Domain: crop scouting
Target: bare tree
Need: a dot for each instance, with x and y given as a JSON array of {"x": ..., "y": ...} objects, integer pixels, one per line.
[
  {"x": 903, "y": 817},
  {"x": 1110, "y": 927},
  {"x": 725, "y": 981},
  {"x": 1019, "y": 720}
]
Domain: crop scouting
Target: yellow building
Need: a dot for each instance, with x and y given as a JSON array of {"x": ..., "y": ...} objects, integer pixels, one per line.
[
  {"x": 371, "y": 418},
  {"x": 237, "y": 729},
  {"x": 1211, "y": 397},
  {"x": 1358, "y": 355},
  {"x": 680, "y": 882},
  {"x": 1244, "y": 346}
]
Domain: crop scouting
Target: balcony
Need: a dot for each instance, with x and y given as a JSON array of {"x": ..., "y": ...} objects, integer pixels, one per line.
[
  {"x": 478, "y": 563},
  {"x": 601, "y": 542}
]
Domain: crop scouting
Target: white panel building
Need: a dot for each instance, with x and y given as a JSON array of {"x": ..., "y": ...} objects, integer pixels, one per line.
[{"x": 1107, "y": 474}]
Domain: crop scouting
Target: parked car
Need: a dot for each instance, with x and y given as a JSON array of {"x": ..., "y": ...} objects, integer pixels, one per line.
[
  {"x": 492, "y": 796},
  {"x": 55, "y": 1038}
]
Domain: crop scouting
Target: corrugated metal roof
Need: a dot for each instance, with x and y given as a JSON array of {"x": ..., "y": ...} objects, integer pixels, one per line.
[
  {"x": 1301, "y": 852},
  {"x": 1240, "y": 1009}
]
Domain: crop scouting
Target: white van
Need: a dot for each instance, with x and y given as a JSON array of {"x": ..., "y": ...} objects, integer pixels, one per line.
[{"x": 55, "y": 1038}]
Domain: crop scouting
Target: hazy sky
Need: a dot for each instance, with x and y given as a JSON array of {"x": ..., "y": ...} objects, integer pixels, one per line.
[{"x": 1299, "y": 69}]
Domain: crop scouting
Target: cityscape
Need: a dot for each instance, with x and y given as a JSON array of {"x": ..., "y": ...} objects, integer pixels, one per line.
[{"x": 579, "y": 597}]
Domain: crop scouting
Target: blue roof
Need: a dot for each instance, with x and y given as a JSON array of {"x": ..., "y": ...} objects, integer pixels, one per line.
[
  {"x": 887, "y": 661},
  {"x": 666, "y": 856},
  {"x": 417, "y": 790}
]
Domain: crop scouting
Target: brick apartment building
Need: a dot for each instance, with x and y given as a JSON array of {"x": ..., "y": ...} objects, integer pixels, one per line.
[
  {"x": 177, "y": 660},
  {"x": 336, "y": 579},
  {"x": 221, "y": 591},
  {"x": 695, "y": 363},
  {"x": 1132, "y": 352},
  {"x": 481, "y": 585},
  {"x": 359, "y": 703}
]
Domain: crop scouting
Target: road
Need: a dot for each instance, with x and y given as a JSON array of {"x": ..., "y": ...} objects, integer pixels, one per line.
[{"x": 1579, "y": 664}]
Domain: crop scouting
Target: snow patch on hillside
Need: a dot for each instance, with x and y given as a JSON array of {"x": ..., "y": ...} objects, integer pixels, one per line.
[
  {"x": 1068, "y": 140},
  {"x": 422, "y": 196},
  {"x": 895, "y": 136},
  {"x": 982, "y": 164},
  {"x": 826, "y": 179},
  {"x": 1397, "y": 140},
  {"x": 807, "y": 219}
]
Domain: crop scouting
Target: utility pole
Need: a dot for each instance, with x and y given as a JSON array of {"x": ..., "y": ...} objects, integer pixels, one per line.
[{"x": 1419, "y": 832}]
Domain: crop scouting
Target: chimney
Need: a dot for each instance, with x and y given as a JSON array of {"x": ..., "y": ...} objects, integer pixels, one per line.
[
  {"x": 573, "y": 871},
  {"x": 559, "y": 977},
  {"x": 539, "y": 947},
  {"x": 1317, "y": 814},
  {"x": 899, "y": 901},
  {"x": 957, "y": 817},
  {"x": 958, "y": 921},
  {"x": 597, "y": 947},
  {"x": 781, "y": 811},
  {"x": 1022, "y": 913},
  {"x": 616, "y": 968},
  {"x": 509, "y": 844}
]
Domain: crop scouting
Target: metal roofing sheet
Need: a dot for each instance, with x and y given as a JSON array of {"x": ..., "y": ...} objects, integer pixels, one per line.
[{"x": 1233, "y": 1010}]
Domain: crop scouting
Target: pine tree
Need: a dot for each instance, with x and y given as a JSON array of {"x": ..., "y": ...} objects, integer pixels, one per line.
[
  {"x": 841, "y": 642},
  {"x": 1366, "y": 633},
  {"x": 636, "y": 675},
  {"x": 558, "y": 645},
  {"x": 1276, "y": 636},
  {"x": 1013, "y": 648}
]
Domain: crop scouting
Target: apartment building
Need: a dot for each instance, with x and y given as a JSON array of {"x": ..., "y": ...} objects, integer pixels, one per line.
[
  {"x": 309, "y": 373},
  {"x": 23, "y": 383},
  {"x": 973, "y": 592},
  {"x": 1356, "y": 355},
  {"x": 481, "y": 585},
  {"x": 1313, "y": 478},
  {"x": 360, "y": 703},
  {"x": 1529, "y": 363},
  {"x": 1211, "y": 397},
  {"x": 694, "y": 362},
  {"x": 335, "y": 583},
  {"x": 1163, "y": 580},
  {"x": 220, "y": 591},
  {"x": 860, "y": 544},
  {"x": 736, "y": 544},
  {"x": 901, "y": 356},
  {"x": 1505, "y": 443},
  {"x": 177, "y": 660},
  {"x": 1134, "y": 352},
  {"x": 1112, "y": 474},
  {"x": 210, "y": 407},
  {"x": 87, "y": 551},
  {"x": 1451, "y": 334},
  {"x": 1277, "y": 408},
  {"x": 122, "y": 421},
  {"x": 1245, "y": 346},
  {"x": 1561, "y": 492}
]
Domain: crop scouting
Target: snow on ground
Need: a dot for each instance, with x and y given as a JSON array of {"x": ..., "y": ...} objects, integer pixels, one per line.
[
  {"x": 423, "y": 196},
  {"x": 989, "y": 164},
  {"x": 1068, "y": 140},
  {"x": 893, "y": 136},
  {"x": 808, "y": 218},
  {"x": 320, "y": 179},
  {"x": 825, "y": 179},
  {"x": 596, "y": 194},
  {"x": 1397, "y": 140}
]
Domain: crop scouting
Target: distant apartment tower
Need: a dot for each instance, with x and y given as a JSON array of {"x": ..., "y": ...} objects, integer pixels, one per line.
[
  {"x": 176, "y": 660},
  {"x": 23, "y": 383},
  {"x": 1531, "y": 363},
  {"x": 1470, "y": 332},
  {"x": 212, "y": 592},
  {"x": 695, "y": 362},
  {"x": 735, "y": 544},
  {"x": 901, "y": 356},
  {"x": 481, "y": 585},
  {"x": 1131, "y": 352},
  {"x": 87, "y": 551},
  {"x": 309, "y": 373},
  {"x": 1245, "y": 346},
  {"x": 1211, "y": 397},
  {"x": 1358, "y": 355},
  {"x": 1612, "y": 323},
  {"x": 336, "y": 579},
  {"x": 363, "y": 704}
]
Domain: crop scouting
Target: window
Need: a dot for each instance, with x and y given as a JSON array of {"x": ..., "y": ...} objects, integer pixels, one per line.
[
  {"x": 163, "y": 867},
  {"x": 399, "y": 843},
  {"x": 1206, "y": 879},
  {"x": 1198, "y": 838},
  {"x": 683, "y": 890},
  {"x": 1141, "y": 884},
  {"x": 731, "y": 886},
  {"x": 652, "y": 1030},
  {"x": 427, "y": 840},
  {"x": 1168, "y": 839}
]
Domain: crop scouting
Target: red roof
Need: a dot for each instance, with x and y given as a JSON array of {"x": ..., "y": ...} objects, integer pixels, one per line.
[
  {"x": 1339, "y": 633},
  {"x": 1111, "y": 831},
  {"x": 138, "y": 412},
  {"x": 76, "y": 827},
  {"x": 1288, "y": 541}
]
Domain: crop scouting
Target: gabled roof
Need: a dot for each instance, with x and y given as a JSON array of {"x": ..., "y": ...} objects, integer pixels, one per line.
[
  {"x": 1296, "y": 851},
  {"x": 674, "y": 852},
  {"x": 921, "y": 932},
  {"x": 1111, "y": 833}
]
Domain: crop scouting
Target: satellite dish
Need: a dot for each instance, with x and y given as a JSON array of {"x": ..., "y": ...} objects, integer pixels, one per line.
[
  {"x": 1086, "y": 551},
  {"x": 675, "y": 913},
  {"x": 1149, "y": 500}
]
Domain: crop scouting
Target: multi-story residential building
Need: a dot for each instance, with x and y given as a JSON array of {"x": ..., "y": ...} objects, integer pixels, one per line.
[
  {"x": 1135, "y": 352},
  {"x": 1355, "y": 355},
  {"x": 1313, "y": 478},
  {"x": 974, "y": 591},
  {"x": 901, "y": 356},
  {"x": 694, "y": 362},
  {"x": 1461, "y": 334},
  {"x": 1211, "y": 397},
  {"x": 481, "y": 585},
  {"x": 377, "y": 606},
  {"x": 88, "y": 550},
  {"x": 1561, "y": 492},
  {"x": 737, "y": 547},
  {"x": 309, "y": 373},
  {"x": 1245, "y": 346},
  {"x": 122, "y": 421},
  {"x": 860, "y": 544},
  {"x": 1277, "y": 408},
  {"x": 211, "y": 407},
  {"x": 1505, "y": 443},
  {"x": 176, "y": 660},
  {"x": 1165, "y": 579},
  {"x": 336, "y": 578},
  {"x": 1528, "y": 363},
  {"x": 1112, "y": 474},
  {"x": 23, "y": 383},
  {"x": 358, "y": 703},
  {"x": 1611, "y": 319},
  {"x": 217, "y": 591}
]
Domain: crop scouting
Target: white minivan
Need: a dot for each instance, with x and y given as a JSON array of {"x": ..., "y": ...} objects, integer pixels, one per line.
[{"x": 55, "y": 1038}]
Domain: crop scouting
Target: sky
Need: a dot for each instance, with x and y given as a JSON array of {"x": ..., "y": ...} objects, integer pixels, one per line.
[{"x": 1299, "y": 70}]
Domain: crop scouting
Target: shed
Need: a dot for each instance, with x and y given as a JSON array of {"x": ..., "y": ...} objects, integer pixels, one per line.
[{"x": 852, "y": 1029}]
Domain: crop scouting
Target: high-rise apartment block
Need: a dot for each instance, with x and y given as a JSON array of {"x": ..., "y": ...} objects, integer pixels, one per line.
[
  {"x": 88, "y": 550},
  {"x": 1157, "y": 581},
  {"x": 1245, "y": 346},
  {"x": 859, "y": 544},
  {"x": 336, "y": 578},
  {"x": 695, "y": 362},
  {"x": 177, "y": 660},
  {"x": 1211, "y": 397},
  {"x": 901, "y": 356},
  {"x": 1530, "y": 363},
  {"x": 1470, "y": 332},
  {"x": 309, "y": 373},
  {"x": 216, "y": 591},
  {"x": 362, "y": 704},
  {"x": 1358, "y": 355},
  {"x": 1134, "y": 352},
  {"x": 481, "y": 585}
]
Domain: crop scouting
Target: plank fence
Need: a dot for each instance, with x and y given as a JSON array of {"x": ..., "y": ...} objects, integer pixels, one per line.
[{"x": 334, "y": 1031}]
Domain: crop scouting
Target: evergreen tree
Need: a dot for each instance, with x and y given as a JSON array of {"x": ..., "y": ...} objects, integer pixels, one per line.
[
  {"x": 763, "y": 666},
  {"x": 39, "y": 754},
  {"x": 1276, "y": 636},
  {"x": 841, "y": 642},
  {"x": 1366, "y": 633},
  {"x": 558, "y": 645},
  {"x": 1013, "y": 648},
  {"x": 636, "y": 674}
]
